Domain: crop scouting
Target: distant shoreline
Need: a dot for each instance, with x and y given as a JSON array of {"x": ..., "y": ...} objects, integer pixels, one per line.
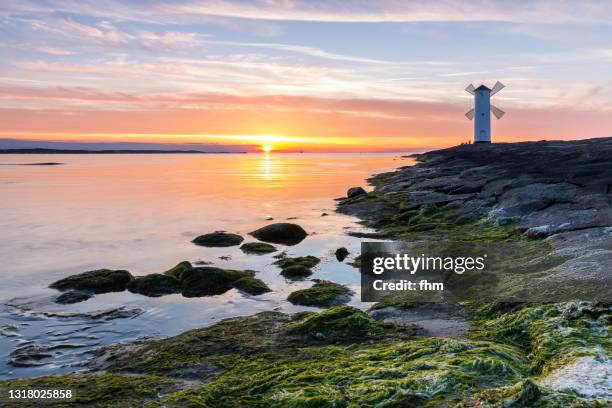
[{"x": 119, "y": 151}]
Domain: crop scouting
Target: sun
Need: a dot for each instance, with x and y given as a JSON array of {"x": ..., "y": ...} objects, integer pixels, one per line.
[{"x": 266, "y": 149}]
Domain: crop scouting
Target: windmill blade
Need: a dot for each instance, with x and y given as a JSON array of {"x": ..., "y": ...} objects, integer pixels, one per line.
[
  {"x": 497, "y": 112},
  {"x": 497, "y": 87},
  {"x": 470, "y": 114},
  {"x": 470, "y": 89}
]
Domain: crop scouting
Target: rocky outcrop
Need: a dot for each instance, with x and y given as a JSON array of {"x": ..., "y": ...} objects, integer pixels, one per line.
[
  {"x": 541, "y": 188},
  {"x": 280, "y": 233},
  {"x": 355, "y": 192}
]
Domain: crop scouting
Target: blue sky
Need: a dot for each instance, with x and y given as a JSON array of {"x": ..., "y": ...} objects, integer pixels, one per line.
[{"x": 336, "y": 73}]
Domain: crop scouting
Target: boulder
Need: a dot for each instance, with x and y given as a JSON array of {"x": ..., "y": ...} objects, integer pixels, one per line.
[
  {"x": 73, "y": 296},
  {"x": 218, "y": 239},
  {"x": 252, "y": 286},
  {"x": 154, "y": 285},
  {"x": 341, "y": 254},
  {"x": 355, "y": 191},
  {"x": 98, "y": 281},
  {"x": 321, "y": 294},
  {"x": 209, "y": 280},
  {"x": 258, "y": 248},
  {"x": 280, "y": 233}
]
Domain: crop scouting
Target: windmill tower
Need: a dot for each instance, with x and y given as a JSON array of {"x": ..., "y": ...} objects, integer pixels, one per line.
[{"x": 482, "y": 111}]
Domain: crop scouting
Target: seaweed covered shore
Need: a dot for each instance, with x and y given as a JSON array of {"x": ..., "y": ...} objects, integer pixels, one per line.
[{"x": 551, "y": 197}]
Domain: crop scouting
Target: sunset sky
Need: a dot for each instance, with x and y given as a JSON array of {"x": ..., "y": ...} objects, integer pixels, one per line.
[{"x": 302, "y": 75}]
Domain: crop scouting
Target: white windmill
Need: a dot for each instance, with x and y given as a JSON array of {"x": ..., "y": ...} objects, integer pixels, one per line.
[{"x": 482, "y": 111}]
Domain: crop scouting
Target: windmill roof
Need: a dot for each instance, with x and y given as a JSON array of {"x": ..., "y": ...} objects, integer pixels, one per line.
[{"x": 482, "y": 88}]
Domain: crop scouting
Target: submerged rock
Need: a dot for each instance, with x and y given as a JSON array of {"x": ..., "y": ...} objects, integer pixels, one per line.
[
  {"x": 98, "y": 281},
  {"x": 154, "y": 285},
  {"x": 355, "y": 191},
  {"x": 322, "y": 294},
  {"x": 218, "y": 239},
  {"x": 259, "y": 248},
  {"x": 280, "y": 233},
  {"x": 208, "y": 280},
  {"x": 252, "y": 286},
  {"x": 341, "y": 254},
  {"x": 73, "y": 296}
]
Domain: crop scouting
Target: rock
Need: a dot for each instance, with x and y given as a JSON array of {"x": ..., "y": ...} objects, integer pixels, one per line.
[
  {"x": 280, "y": 233},
  {"x": 340, "y": 323},
  {"x": 252, "y": 286},
  {"x": 322, "y": 294},
  {"x": 208, "y": 280},
  {"x": 218, "y": 239},
  {"x": 308, "y": 261},
  {"x": 177, "y": 271},
  {"x": 539, "y": 232},
  {"x": 296, "y": 271},
  {"x": 73, "y": 296},
  {"x": 98, "y": 281},
  {"x": 528, "y": 395},
  {"x": 341, "y": 254},
  {"x": 324, "y": 214},
  {"x": 355, "y": 191},
  {"x": 154, "y": 285},
  {"x": 258, "y": 248}
]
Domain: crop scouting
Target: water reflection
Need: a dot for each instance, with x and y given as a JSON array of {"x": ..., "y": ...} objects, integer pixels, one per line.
[{"x": 140, "y": 212}]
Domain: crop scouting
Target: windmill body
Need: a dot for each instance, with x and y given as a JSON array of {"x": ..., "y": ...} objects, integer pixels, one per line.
[{"x": 481, "y": 114}]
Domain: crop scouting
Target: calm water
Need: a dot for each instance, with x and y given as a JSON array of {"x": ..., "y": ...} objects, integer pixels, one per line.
[{"x": 140, "y": 212}]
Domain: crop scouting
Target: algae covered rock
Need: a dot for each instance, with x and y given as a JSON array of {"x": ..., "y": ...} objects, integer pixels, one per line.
[
  {"x": 209, "y": 280},
  {"x": 307, "y": 261},
  {"x": 98, "y": 281},
  {"x": 252, "y": 286},
  {"x": 280, "y": 233},
  {"x": 296, "y": 271},
  {"x": 177, "y": 271},
  {"x": 154, "y": 285},
  {"x": 338, "y": 323},
  {"x": 73, "y": 296},
  {"x": 218, "y": 239},
  {"x": 322, "y": 294},
  {"x": 258, "y": 248},
  {"x": 341, "y": 254}
]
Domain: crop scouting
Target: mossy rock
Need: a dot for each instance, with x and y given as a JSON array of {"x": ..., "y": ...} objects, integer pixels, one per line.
[
  {"x": 338, "y": 323},
  {"x": 296, "y": 272},
  {"x": 280, "y": 233},
  {"x": 98, "y": 281},
  {"x": 252, "y": 286},
  {"x": 218, "y": 239},
  {"x": 73, "y": 296},
  {"x": 341, "y": 254},
  {"x": 177, "y": 271},
  {"x": 154, "y": 285},
  {"x": 258, "y": 248},
  {"x": 321, "y": 294},
  {"x": 208, "y": 280},
  {"x": 307, "y": 261}
]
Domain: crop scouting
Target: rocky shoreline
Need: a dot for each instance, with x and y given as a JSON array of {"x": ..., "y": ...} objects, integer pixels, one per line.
[{"x": 551, "y": 197}]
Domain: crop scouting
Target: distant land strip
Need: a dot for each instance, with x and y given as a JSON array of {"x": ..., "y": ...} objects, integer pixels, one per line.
[{"x": 119, "y": 151}]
